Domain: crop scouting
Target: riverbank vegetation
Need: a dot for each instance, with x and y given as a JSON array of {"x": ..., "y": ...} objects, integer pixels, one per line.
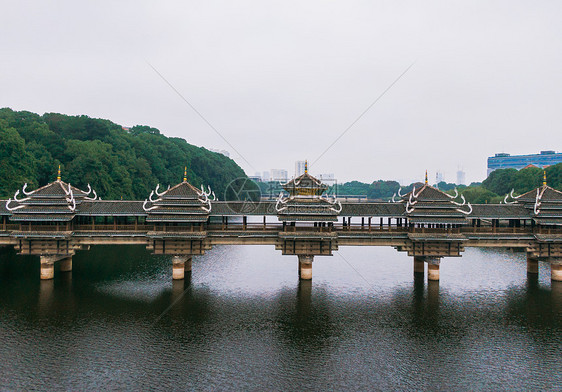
[
  {"x": 118, "y": 162},
  {"x": 492, "y": 190}
]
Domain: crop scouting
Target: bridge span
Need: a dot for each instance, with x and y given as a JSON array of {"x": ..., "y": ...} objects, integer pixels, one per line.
[{"x": 55, "y": 221}]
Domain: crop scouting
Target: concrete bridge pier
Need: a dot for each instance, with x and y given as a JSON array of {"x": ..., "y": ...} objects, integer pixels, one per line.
[
  {"x": 432, "y": 267},
  {"x": 556, "y": 269},
  {"x": 180, "y": 264},
  {"x": 66, "y": 264},
  {"x": 419, "y": 266},
  {"x": 305, "y": 267},
  {"x": 532, "y": 264},
  {"x": 48, "y": 265},
  {"x": 187, "y": 264}
]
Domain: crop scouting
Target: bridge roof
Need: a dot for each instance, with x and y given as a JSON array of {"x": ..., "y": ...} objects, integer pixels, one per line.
[
  {"x": 305, "y": 184},
  {"x": 111, "y": 208},
  {"x": 267, "y": 208},
  {"x": 499, "y": 211}
]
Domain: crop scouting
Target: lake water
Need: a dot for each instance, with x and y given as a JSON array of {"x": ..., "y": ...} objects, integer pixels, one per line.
[{"x": 242, "y": 321}]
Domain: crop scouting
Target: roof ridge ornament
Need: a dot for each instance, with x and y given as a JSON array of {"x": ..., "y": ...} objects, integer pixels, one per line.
[
  {"x": 456, "y": 194},
  {"x": 156, "y": 190},
  {"x": 544, "y": 177},
  {"x": 14, "y": 208},
  {"x": 24, "y": 192},
  {"x": 306, "y": 166},
  {"x": 459, "y": 204},
  {"x": 466, "y": 212},
  {"x": 426, "y": 177},
  {"x": 185, "y": 174},
  {"x": 58, "y": 175},
  {"x": 536, "y": 209}
]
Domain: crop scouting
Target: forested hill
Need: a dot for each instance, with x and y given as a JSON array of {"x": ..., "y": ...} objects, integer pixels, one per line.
[{"x": 115, "y": 161}]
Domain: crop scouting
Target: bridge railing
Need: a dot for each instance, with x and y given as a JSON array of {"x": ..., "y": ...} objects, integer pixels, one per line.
[{"x": 127, "y": 227}]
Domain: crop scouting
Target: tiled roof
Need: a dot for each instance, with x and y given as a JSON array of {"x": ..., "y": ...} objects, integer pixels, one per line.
[
  {"x": 428, "y": 193},
  {"x": 546, "y": 194},
  {"x": 3, "y": 209},
  {"x": 111, "y": 208},
  {"x": 41, "y": 217},
  {"x": 181, "y": 203},
  {"x": 228, "y": 208},
  {"x": 499, "y": 211},
  {"x": 305, "y": 184},
  {"x": 183, "y": 190}
]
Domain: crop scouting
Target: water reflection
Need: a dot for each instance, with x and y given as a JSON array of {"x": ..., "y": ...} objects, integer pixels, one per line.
[{"x": 242, "y": 320}]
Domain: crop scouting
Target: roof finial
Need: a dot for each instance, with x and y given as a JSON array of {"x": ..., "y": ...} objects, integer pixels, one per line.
[
  {"x": 426, "y": 177},
  {"x": 58, "y": 175},
  {"x": 544, "y": 177},
  {"x": 306, "y": 166},
  {"x": 185, "y": 174}
]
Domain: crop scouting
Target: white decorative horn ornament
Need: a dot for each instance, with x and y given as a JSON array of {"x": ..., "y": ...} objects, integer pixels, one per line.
[
  {"x": 456, "y": 194},
  {"x": 144, "y": 206},
  {"x": 23, "y": 189},
  {"x": 156, "y": 190},
  {"x": 14, "y": 208},
  {"x": 465, "y": 212}
]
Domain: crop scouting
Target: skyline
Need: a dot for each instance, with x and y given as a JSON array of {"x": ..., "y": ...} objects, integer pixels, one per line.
[{"x": 484, "y": 78}]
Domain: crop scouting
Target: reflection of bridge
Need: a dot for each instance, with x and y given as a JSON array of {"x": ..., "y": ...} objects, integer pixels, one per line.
[{"x": 56, "y": 220}]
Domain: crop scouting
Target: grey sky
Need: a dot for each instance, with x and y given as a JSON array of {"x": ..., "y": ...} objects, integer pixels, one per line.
[{"x": 281, "y": 80}]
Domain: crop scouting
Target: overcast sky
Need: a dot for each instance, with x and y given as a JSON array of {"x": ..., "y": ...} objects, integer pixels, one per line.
[{"x": 281, "y": 80}]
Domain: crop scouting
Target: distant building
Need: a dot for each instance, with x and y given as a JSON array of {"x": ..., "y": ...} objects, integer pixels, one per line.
[
  {"x": 505, "y": 161},
  {"x": 299, "y": 168},
  {"x": 461, "y": 177},
  {"x": 327, "y": 178},
  {"x": 223, "y": 152},
  {"x": 439, "y": 177},
  {"x": 279, "y": 175},
  {"x": 265, "y": 176},
  {"x": 255, "y": 178}
]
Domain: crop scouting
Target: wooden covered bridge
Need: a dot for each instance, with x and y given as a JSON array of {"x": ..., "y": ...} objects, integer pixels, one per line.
[{"x": 183, "y": 221}]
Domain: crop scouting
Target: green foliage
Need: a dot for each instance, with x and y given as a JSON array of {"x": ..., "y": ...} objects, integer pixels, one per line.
[
  {"x": 448, "y": 186},
  {"x": 502, "y": 181},
  {"x": 382, "y": 189},
  {"x": 480, "y": 195},
  {"x": 353, "y": 188},
  {"x": 116, "y": 162},
  {"x": 16, "y": 164}
]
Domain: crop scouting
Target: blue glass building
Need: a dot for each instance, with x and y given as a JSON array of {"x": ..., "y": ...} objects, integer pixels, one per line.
[{"x": 505, "y": 161}]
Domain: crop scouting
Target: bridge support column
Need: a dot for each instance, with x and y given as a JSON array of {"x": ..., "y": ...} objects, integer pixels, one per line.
[
  {"x": 187, "y": 264},
  {"x": 419, "y": 265},
  {"x": 432, "y": 267},
  {"x": 305, "y": 267},
  {"x": 66, "y": 264},
  {"x": 47, "y": 267},
  {"x": 532, "y": 264},
  {"x": 178, "y": 267},
  {"x": 556, "y": 269}
]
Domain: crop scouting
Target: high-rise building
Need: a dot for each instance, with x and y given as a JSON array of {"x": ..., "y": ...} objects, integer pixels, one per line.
[
  {"x": 505, "y": 161},
  {"x": 439, "y": 177},
  {"x": 266, "y": 177},
  {"x": 279, "y": 175},
  {"x": 299, "y": 168},
  {"x": 461, "y": 177},
  {"x": 327, "y": 178}
]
